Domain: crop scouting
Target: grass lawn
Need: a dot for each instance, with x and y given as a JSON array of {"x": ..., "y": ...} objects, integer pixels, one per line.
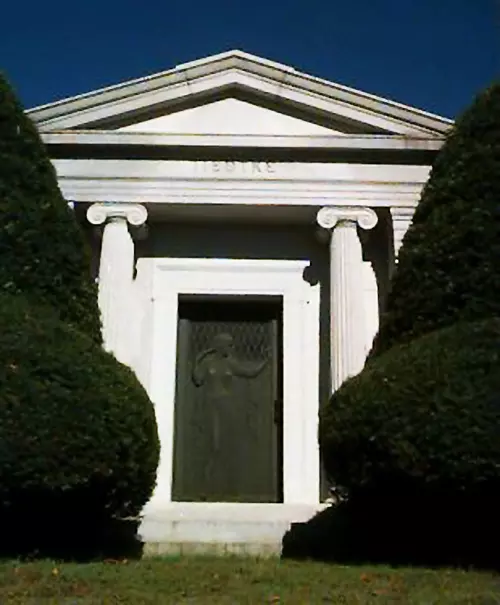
[{"x": 221, "y": 581}]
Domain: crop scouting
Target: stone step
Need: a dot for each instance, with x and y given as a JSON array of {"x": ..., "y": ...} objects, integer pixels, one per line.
[
  {"x": 220, "y": 528},
  {"x": 219, "y": 549}
]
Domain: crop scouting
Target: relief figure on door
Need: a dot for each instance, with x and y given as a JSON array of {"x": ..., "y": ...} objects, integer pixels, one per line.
[
  {"x": 220, "y": 375},
  {"x": 216, "y": 367}
]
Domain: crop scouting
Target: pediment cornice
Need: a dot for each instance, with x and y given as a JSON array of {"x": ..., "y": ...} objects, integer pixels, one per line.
[{"x": 237, "y": 73}]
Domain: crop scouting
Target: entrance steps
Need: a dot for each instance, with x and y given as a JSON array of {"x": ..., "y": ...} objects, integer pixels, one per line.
[{"x": 219, "y": 528}]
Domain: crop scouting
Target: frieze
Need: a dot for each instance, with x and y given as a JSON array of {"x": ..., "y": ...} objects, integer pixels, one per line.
[{"x": 233, "y": 167}]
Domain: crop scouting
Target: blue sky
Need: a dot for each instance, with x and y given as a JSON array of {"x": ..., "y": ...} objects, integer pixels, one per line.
[{"x": 433, "y": 54}]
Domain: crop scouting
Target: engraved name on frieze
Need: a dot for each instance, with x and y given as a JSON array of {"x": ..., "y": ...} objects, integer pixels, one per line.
[{"x": 234, "y": 168}]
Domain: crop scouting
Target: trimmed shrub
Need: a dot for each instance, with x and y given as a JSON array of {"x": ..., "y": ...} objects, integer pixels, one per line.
[
  {"x": 448, "y": 268},
  {"x": 402, "y": 528},
  {"x": 78, "y": 438},
  {"x": 415, "y": 440},
  {"x": 43, "y": 254},
  {"x": 423, "y": 416}
]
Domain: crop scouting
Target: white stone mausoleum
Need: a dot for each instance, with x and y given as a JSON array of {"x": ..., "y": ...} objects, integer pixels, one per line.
[{"x": 245, "y": 219}]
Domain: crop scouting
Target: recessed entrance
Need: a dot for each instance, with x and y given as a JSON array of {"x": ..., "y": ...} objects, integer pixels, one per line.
[{"x": 228, "y": 438}]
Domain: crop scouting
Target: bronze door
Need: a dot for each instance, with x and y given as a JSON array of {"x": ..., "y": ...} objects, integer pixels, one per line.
[{"x": 228, "y": 427}]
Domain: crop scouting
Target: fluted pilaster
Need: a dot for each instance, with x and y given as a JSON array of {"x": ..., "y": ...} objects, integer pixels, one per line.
[{"x": 401, "y": 221}]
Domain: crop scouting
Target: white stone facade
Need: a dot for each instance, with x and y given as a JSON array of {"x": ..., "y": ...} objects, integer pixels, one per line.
[{"x": 253, "y": 180}]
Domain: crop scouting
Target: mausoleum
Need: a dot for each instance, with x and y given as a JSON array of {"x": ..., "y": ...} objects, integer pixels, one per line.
[{"x": 245, "y": 219}]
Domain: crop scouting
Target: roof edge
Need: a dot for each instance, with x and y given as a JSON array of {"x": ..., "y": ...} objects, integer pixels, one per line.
[{"x": 237, "y": 59}]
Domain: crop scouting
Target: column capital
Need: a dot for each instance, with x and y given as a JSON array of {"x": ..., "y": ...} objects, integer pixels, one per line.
[
  {"x": 330, "y": 216},
  {"x": 134, "y": 214}
]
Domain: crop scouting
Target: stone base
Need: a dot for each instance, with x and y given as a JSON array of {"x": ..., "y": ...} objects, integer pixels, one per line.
[
  {"x": 216, "y": 549},
  {"x": 181, "y": 528}
]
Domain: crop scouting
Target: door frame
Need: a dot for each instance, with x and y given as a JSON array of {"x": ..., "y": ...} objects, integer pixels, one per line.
[{"x": 159, "y": 284}]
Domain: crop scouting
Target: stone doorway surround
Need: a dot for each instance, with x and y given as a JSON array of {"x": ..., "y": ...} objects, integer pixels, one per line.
[
  {"x": 161, "y": 281},
  {"x": 159, "y": 284}
]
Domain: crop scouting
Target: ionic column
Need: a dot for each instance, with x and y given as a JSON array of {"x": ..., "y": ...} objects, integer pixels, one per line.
[
  {"x": 116, "y": 269},
  {"x": 401, "y": 220},
  {"x": 348, "y": 322}
]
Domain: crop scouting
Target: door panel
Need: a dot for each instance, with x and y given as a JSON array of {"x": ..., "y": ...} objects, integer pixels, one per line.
[{"x": 227, "y": 439}]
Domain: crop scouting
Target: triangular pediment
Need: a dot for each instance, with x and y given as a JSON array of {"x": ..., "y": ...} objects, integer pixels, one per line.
[
  {"x": 236, "y": 93},
  {"x": 230, "y": 116}
]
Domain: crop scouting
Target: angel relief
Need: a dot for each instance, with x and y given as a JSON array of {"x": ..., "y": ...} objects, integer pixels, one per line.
[
  {"x": 217, "y": 373},
  {"x": 216, "y": 367}
]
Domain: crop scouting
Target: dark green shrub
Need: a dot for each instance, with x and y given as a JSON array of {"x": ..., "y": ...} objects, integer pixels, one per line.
[
  {"x": 415, "y": 439},
  {"x": 402, "y": 528},
  {"x": 78, "y": 438},
  {"x": 425, "y": 415},
  {"x": 449, "y": 267},
  {"x": 42, "y": 249}
]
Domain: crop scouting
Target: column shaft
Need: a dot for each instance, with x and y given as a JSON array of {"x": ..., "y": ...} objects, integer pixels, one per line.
[
  {"x": 115, "y": 279},
  {"x": 346, "y": 300},
  {"x": 116, "y": 270},
  {"x": 348, "y": 322}
]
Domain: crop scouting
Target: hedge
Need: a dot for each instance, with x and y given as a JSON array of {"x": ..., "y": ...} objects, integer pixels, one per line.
[
  {"x": 448, "y": 268},
  {"x": 78, "y": 436},
  {"x": 43, "y": 252}
]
